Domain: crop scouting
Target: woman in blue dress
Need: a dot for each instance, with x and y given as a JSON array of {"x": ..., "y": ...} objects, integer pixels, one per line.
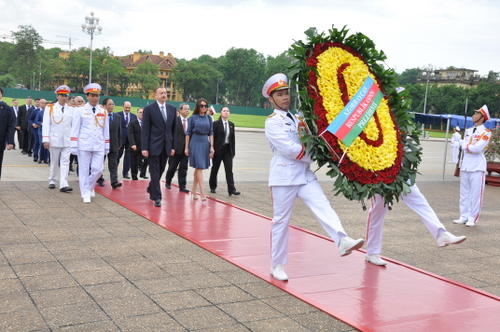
[{"x": 199, "y": 144}]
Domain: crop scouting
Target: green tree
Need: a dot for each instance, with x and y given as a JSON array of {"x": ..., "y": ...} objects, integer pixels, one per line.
[
  {"x": 146, "y": 77},
  {"x": 244, "y": 73},
  {"x": 196, "y": 80},
  {"x": 409, "y": 76},
  {"x": 27, "y": 43},
  {"x": 7, "y": 81}
]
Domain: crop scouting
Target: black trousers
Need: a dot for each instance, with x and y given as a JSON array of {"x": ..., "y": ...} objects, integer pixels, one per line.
[
  {"x": 156, "y": 168},
  {"x": 178, "y": 162},
  {"x": 222, "y": 156},
  {"x": 138, "y": 164}
]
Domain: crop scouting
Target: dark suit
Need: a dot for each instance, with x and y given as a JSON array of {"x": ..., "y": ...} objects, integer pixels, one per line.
[
  {"x": 158, "y": 138},
  {"x": 179, "y": 159},
  {"x": 7, "y": 129},
  {"x": 223, "y": 152},
  {"x": 115, "y": 139},
  {"x": 44, "y": 153},
  {"x": 125, "y": 142},
  {"x": 22, "y": 121},
  {"x": 34, "y": 132},
  {"x": 137, "y": 161}
]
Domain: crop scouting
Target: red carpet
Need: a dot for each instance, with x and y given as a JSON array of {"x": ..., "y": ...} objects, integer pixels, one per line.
[{"x": 369, "y": 298}]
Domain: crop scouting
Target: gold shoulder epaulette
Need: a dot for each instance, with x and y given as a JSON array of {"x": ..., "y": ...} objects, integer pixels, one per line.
[{"x": 270, "y": 116}]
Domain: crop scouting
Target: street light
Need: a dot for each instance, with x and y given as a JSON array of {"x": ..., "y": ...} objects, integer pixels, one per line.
[
  {"x": 90, "y": 26},
  {"x": 429, "y": 73}
]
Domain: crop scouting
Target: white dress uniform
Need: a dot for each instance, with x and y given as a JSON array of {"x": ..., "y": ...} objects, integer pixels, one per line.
[
  {"x": 56, "y": 130},
  {"x": 472, "y": 172},
  {"x": 415, "y": 201},
  {"x": 90, "y": 141},
  {"x": 455, "y": 147},
  {"x": 290, "y": 177}
]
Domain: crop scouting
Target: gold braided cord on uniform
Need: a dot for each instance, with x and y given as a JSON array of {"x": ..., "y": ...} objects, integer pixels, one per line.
[
  {"x": 51, "y": 113},
  {"x": 96, "y": 120}
]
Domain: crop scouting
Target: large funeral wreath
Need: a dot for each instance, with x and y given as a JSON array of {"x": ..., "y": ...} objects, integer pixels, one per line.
[{"x": 329, "y": 69}]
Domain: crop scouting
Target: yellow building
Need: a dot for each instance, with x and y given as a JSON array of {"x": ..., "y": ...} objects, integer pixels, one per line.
[{"x": 165, "y": 62}]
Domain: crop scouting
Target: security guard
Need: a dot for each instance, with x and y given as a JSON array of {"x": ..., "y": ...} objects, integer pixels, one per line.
[
  {"x": 56, "y": 133},
  {"x": 473, "y": 168},
  {"x": 90, "y": 140},
  {"x": 290, "y": 177}
]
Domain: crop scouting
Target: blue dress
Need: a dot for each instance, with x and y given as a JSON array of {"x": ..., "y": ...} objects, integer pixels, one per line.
[{"x": 199, "y": 128}]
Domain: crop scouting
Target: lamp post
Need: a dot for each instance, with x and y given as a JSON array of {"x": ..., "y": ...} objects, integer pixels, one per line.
[
  {"x": 91, "y": 27},
  {"x": 428, "y": 73}
]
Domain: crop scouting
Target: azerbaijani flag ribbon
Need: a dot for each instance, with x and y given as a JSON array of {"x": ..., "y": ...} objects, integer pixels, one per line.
[{"x": 355, "y": 116}]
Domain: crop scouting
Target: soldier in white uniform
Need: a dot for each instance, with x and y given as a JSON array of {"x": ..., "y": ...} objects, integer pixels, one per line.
[
  {"x": 56, "y": 132},
  {"x": 473, "y": 168},
  {"x": 455, "y": 145},
  {"x": 290, "y": 177},
  {"x": 415, "y": 201},
  {"x": 90, "y": 140}
]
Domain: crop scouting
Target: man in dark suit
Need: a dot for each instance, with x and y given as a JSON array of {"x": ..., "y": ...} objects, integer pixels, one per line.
[
  {"x": 15, "y": 108},
  {"x": 126, "y": 117},
  {"x": 179, "y": 159},
  {"x": 7, "y": 128},
  {"x": 224, "y": 146},
  {"x": 158, "y": 139},
  {"x": 33, "y": 127},
  {"x": 137, "y": 160},
  {"x": 115, "y": 141},
  {"x": 22, "y": 124}
]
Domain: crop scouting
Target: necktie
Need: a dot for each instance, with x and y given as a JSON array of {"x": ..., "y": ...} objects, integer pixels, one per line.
[
  {"x": 184, "y": 126},
  {"x": 93, "y": 109},
  {"x": 126, "y": 119},
  {"x": 110, "y": 117},
  {"x": 62, "y": 109},
  {"x": 225, "y": 132},
  {"x": 163, "y": 113},
  {"x": 474, "y": 130},
  {"x": 290, "y": 116}
]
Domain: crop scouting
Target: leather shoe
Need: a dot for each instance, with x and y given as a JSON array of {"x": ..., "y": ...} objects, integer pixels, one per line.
[
  {"x": 278, "y": 272},
  {"x": 144, "y": 177},
  {"x": 125, "y": 176},
  {"x": 184, "y": 190},
  {"x": 35, "y": 159},
  {"x": 347, "y": 245},
  {"x": 40, "y": 161},
  {"x": 236, "y": 193},
  {"x": 157, "y": 202},
  {"x": 134, "y": 178},
  {"x": 459, "y": 221},
  {"x": 213, "y": 191},
  {"x": 52, "y": 186},
  {"x": 71, "y": 169},
  {"x": 168, "y": 186},
  {"x": 29, "y": 154},
  {"x": 446, "y": 238},
  {"x": 116, "y": 185},
  {"x": 86, "y": 200},
  {"x": 375, "y": 259},
  {"x": 65, "y": 189},
  {"x": 470, "y": 223},
  {"x": 100, "y": 183}
]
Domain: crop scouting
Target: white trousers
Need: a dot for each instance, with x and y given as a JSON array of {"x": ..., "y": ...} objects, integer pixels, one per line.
[
  {"x": 471, "y": 195},
  {"x": 454, "y": 153},
  {"x": 59, "y": 165},
  {"x": 415, "y": 201},
  {"x": 90, "y": 168},
  {"x": 312, "y": 195}
]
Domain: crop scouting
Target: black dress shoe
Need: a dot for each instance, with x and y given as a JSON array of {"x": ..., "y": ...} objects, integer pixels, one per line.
[
  {"x": 213, "y": 191},
  {"x": 184, "y": 190},
  {"x": 24, "y": 152},
  {"x": 157, "y": 202},
  {"x": 71, "y": 169},
  {"x": 35, "y": 159},
  {"x": 116, "y": 185},
  {"x": 29, "y": 154},
  {"x": 125, "y": 176},
  {"x": 134, "y": 178},
  {"x": 168, "y": 186},
  {"x": 52, "y": 186},
  {"x": 40, "y": 161},
  {"x": 234, "y": 193},
  {"x": 100, "y": 183},
  {"x": 65, "y": 189},
  {"x": 144, "y": 177}
]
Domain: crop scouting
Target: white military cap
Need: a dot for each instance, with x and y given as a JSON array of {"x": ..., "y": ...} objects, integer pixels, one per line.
[
  {"x": 275, "y": 83},
  {"x": 93, "y": 88}
]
